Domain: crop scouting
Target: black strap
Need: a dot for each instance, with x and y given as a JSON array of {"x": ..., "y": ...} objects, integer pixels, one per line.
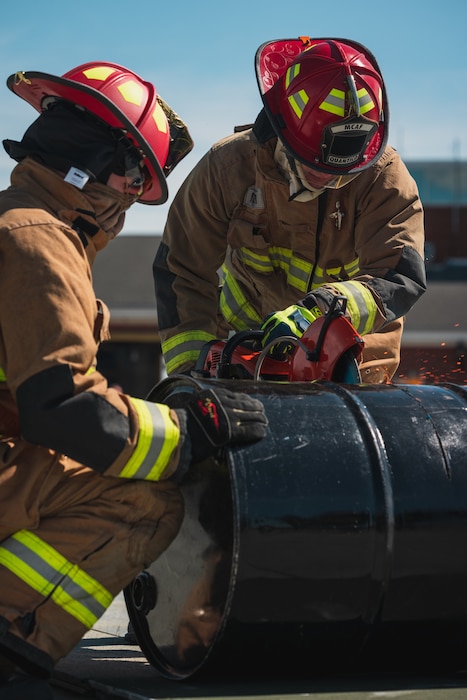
[
  {"x": 83, "y": 228},
  {"x": 262, "y": 128},
  {"x": 242, "y": 127}
]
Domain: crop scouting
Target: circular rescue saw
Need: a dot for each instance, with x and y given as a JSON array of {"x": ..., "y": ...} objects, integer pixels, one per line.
[{"x": 329, "y": 350}]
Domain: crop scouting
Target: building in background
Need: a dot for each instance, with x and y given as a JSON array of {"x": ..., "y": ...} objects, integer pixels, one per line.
[
  {"x": 434, "y": 347},
  {"x": 434, "y": 344}
]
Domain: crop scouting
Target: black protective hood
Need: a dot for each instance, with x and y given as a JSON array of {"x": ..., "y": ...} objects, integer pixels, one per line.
[{"x": 66, "y": 136}]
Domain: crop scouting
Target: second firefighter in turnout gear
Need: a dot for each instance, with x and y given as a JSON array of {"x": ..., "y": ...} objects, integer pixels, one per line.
[
  {"x": 308, "y": 203},
  {"x": 88, "y": 475}
]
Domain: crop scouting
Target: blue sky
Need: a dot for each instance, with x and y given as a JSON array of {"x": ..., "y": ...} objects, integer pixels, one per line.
[{"x": 200, "y": 56}]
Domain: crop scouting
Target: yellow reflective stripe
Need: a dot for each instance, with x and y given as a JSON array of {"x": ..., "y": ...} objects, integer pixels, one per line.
[
  {"x": 322, "y": 276},
  {"x": 132, "y": 92},
  {"x": 318, "y": 277},
  {"x": 281, "y": 258},
  {"x": 333, "y": 271},
  {"x": 2, "y": 375},
  {"x": 184, "y": 347},
  {"x": 158, "y": 437},
  {"x": 48, "y": 572},
  {"x": 370, "y": 305},
  {"x": 352, "y": 268},
  {"x": 181, "y": 359},
  {"x": 24, "y": 571},
  {"x": 160, "y": 119},
  {"x": 99, "y": 72},
  {"x": 228, "y": 311},
  {"x": 291, "y": 74},
  {"x": 299, "y": 273},
  {"x": 261, "y": 263},
  {"x": 235, "y": 307},
  {"x": 298, "y": 102},
  {"x": 298, "y": 270},
  {"x": 185, "y": 337},
  {"x": 365, "y": 101},
  {"x": 352, "y": 306},
  {"x": 334, "y": 103},
  {"x": 361, "y": 305}
]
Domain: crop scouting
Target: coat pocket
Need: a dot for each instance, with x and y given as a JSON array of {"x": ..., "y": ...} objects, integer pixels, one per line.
[
  {"x": 243, "y": 233},
  {"x": 101, "y": 322}
]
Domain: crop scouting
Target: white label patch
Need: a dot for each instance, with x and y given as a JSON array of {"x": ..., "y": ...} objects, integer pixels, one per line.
[
  {"x": 76, "y": 177},
  {"x": 254, "y": 198}
]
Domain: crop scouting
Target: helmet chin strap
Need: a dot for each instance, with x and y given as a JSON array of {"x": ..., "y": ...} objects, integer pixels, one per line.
[{"x": 300, "y": 190}]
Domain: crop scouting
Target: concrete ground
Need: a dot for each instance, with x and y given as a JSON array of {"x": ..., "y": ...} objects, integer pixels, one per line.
[{"x": 104, "y": 665}]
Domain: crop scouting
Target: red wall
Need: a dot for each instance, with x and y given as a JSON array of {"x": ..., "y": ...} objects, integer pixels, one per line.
[{"x": 446, "y": 229}]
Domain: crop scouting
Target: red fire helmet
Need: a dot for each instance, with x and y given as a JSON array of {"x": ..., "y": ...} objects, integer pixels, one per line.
[
  {"x": 326, "y": 100},
  {"x": 118, "y": 97}
]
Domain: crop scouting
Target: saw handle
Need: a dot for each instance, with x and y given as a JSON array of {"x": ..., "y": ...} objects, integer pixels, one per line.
[
  {"x": 228, "y": 349},
  {"x": 337, "y": 308}
]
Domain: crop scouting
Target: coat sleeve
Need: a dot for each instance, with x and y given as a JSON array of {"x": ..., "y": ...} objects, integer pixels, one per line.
[
  {"x": 391, "y": 238},
  {"x": 389, "y": 243},
  {"x": 49, "y": 323},
  {"x": 186, "y": 265}
]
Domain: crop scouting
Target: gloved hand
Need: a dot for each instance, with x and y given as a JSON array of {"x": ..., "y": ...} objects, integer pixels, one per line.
[
  {"x": 291, "y": 321},
  {"x": 217, "y": 417}
]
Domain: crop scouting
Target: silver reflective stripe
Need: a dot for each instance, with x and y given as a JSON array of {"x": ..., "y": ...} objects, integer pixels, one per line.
[
  {"x": 262, "y": 263},
  {"x": 154, "y": 437},
  {"x": 235, "y": 308},
  {"x": 184, "y": 351},
  {"x": 45, "y": 570},
  {"x": 297, "y": 269},
  {"x": 361, "y": 305},
  {"x": 299, "y": 273}
]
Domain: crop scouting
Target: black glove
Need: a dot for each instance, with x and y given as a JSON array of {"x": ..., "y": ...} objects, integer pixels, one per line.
[{"x": 217, "y": 417}]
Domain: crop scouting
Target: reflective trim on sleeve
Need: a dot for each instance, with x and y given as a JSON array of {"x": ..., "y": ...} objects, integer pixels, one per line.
[
  {"x": 44, "y": 569},
  {"x": 184, "y": 347},
  {"x": 157, "y": 439},
  {"x": 299, "y": 273},
  {"x": 235, "y": 307},
  {"x": 321, "y": 276},
  {"x": 361, "y": 305}
]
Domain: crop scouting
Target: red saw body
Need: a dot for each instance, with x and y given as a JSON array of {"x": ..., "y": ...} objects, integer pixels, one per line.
[{"x": 329, "y": 350}]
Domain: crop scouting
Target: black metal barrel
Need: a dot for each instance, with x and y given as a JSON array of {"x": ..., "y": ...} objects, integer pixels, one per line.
[{"x": 339, "y": 540}]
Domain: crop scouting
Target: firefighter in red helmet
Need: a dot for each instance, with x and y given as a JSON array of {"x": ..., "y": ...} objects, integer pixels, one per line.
[
  {"x": 88, "y": 475},
  {"x": 308, "y": 203}
]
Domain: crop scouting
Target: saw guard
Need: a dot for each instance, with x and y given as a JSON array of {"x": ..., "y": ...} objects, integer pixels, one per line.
[{"x": 321, "y": 348}]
